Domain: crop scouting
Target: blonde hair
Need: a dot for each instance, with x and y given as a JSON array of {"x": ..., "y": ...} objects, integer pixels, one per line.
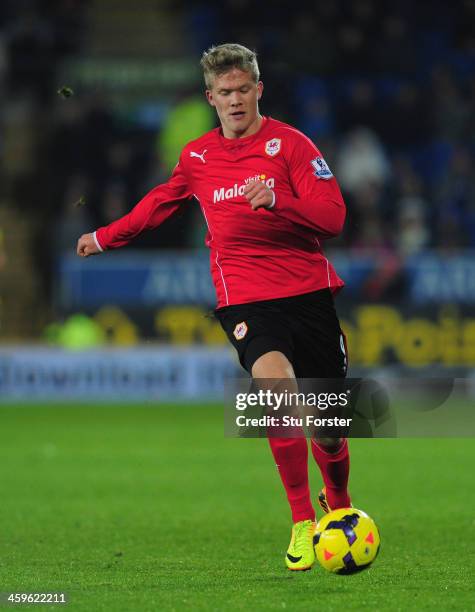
[{"x": 222, "y": 58}]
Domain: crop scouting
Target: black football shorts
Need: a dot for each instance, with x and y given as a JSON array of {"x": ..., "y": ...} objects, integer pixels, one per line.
[{"x": 303, "y": 327}]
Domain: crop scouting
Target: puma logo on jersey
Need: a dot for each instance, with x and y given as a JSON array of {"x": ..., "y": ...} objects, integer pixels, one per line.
[{"x": 200, "y": 155}]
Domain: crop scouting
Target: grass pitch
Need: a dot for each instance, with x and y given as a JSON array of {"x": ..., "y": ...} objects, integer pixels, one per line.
[{"x": 141, "y": 508}]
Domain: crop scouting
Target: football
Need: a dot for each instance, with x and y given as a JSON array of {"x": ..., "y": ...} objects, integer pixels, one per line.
[{"x": 346, "y": 541}]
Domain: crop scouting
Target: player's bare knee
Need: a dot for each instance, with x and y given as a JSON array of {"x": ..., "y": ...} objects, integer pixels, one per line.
[
  {"x": 273, "y": 364},
  {"x": 329, "y": 444}
]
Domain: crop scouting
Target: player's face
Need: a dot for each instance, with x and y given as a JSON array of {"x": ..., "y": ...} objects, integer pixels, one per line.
[{"x": 236, "y": 98}]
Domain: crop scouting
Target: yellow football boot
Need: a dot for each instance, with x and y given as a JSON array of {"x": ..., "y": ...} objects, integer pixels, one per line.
[{"x": 301, "y": 554}]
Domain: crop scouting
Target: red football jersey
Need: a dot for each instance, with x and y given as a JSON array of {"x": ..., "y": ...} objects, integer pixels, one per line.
[{"x": 254, "y": 255}]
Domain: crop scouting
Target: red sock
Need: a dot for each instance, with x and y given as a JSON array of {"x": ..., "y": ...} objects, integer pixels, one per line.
[
  {"x": 335, "y": 469},
  {"x": 291, "y": 457}
]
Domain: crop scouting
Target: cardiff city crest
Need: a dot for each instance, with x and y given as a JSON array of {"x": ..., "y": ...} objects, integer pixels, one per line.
[
  {"x": 240, "y": 330},
  {"x": 273, "y": 146}
]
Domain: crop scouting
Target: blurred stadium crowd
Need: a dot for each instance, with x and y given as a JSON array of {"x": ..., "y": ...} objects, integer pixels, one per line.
[{"x": 386, "y": 90}]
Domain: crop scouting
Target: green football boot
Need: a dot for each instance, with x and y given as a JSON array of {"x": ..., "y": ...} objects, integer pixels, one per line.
[{"x": 301, "y": 554}]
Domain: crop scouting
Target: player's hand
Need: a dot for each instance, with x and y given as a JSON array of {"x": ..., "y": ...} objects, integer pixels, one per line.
[
  {"x": 87, "y": 246},
  {"x": 258, "y": 194}
]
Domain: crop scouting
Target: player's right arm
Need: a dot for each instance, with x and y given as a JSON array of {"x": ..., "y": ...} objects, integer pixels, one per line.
[
  {"x": 152, "y": 210},
  {"x": 88, "y": 245}
]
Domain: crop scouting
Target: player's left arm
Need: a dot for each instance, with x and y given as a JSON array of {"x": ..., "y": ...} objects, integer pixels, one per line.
[{"x": 317, "y": 204}]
